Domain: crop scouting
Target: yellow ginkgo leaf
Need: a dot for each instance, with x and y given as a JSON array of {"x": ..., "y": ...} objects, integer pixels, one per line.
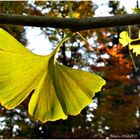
[
  {"x": 125, "y": 40},
  {"x": 63, "y": 91},
  {"x": 59, "y": 91},
  {"x": 20, "y": 71},
  {"x": 136, "y": 49}
]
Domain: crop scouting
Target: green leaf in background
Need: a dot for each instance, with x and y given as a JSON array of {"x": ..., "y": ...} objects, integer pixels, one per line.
[
  {"x": 59, "y": 91},
  {"x": 126, "y": 40}
]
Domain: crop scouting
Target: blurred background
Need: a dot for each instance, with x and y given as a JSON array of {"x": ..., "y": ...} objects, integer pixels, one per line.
[{"x": 115, "y": 111}]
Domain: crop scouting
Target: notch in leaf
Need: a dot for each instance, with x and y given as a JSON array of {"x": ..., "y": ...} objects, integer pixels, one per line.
[{"x": 59, "y": 91}]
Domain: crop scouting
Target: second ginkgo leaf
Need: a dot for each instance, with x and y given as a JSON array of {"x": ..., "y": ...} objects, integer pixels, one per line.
[{"x": 126, "y": 40}]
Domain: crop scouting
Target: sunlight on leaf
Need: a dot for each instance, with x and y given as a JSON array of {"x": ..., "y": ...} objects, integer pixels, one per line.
[
  {"x": 125, "y": 40},
  {"x": 59, "y": 91}
]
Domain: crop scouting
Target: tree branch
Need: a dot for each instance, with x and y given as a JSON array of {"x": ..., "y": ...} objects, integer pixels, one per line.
[{"x": 69, "y": 23}]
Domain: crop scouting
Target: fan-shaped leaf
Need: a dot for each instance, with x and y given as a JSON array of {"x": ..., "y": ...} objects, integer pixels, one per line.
[
  {"x": 59, "y": 91},
  {"x": 125, "y": 40}
]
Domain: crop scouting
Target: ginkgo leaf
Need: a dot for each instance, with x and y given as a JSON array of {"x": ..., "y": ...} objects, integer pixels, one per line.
[
  {"x": 136, "y": 49},
  {"x": 19, "y": 71},
  {"x": 59, "y": 91},
  {"x": 65, "y": 90},
  {"x": 125, "y": 40}
]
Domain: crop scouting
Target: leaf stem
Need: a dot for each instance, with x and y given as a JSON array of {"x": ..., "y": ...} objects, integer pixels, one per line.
[
  {"x": 85, "y": 40},
  {"x": 133, "y": 62},
  {"x": 60, "y": 44},
  {"x": 71, "y": 16}
]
